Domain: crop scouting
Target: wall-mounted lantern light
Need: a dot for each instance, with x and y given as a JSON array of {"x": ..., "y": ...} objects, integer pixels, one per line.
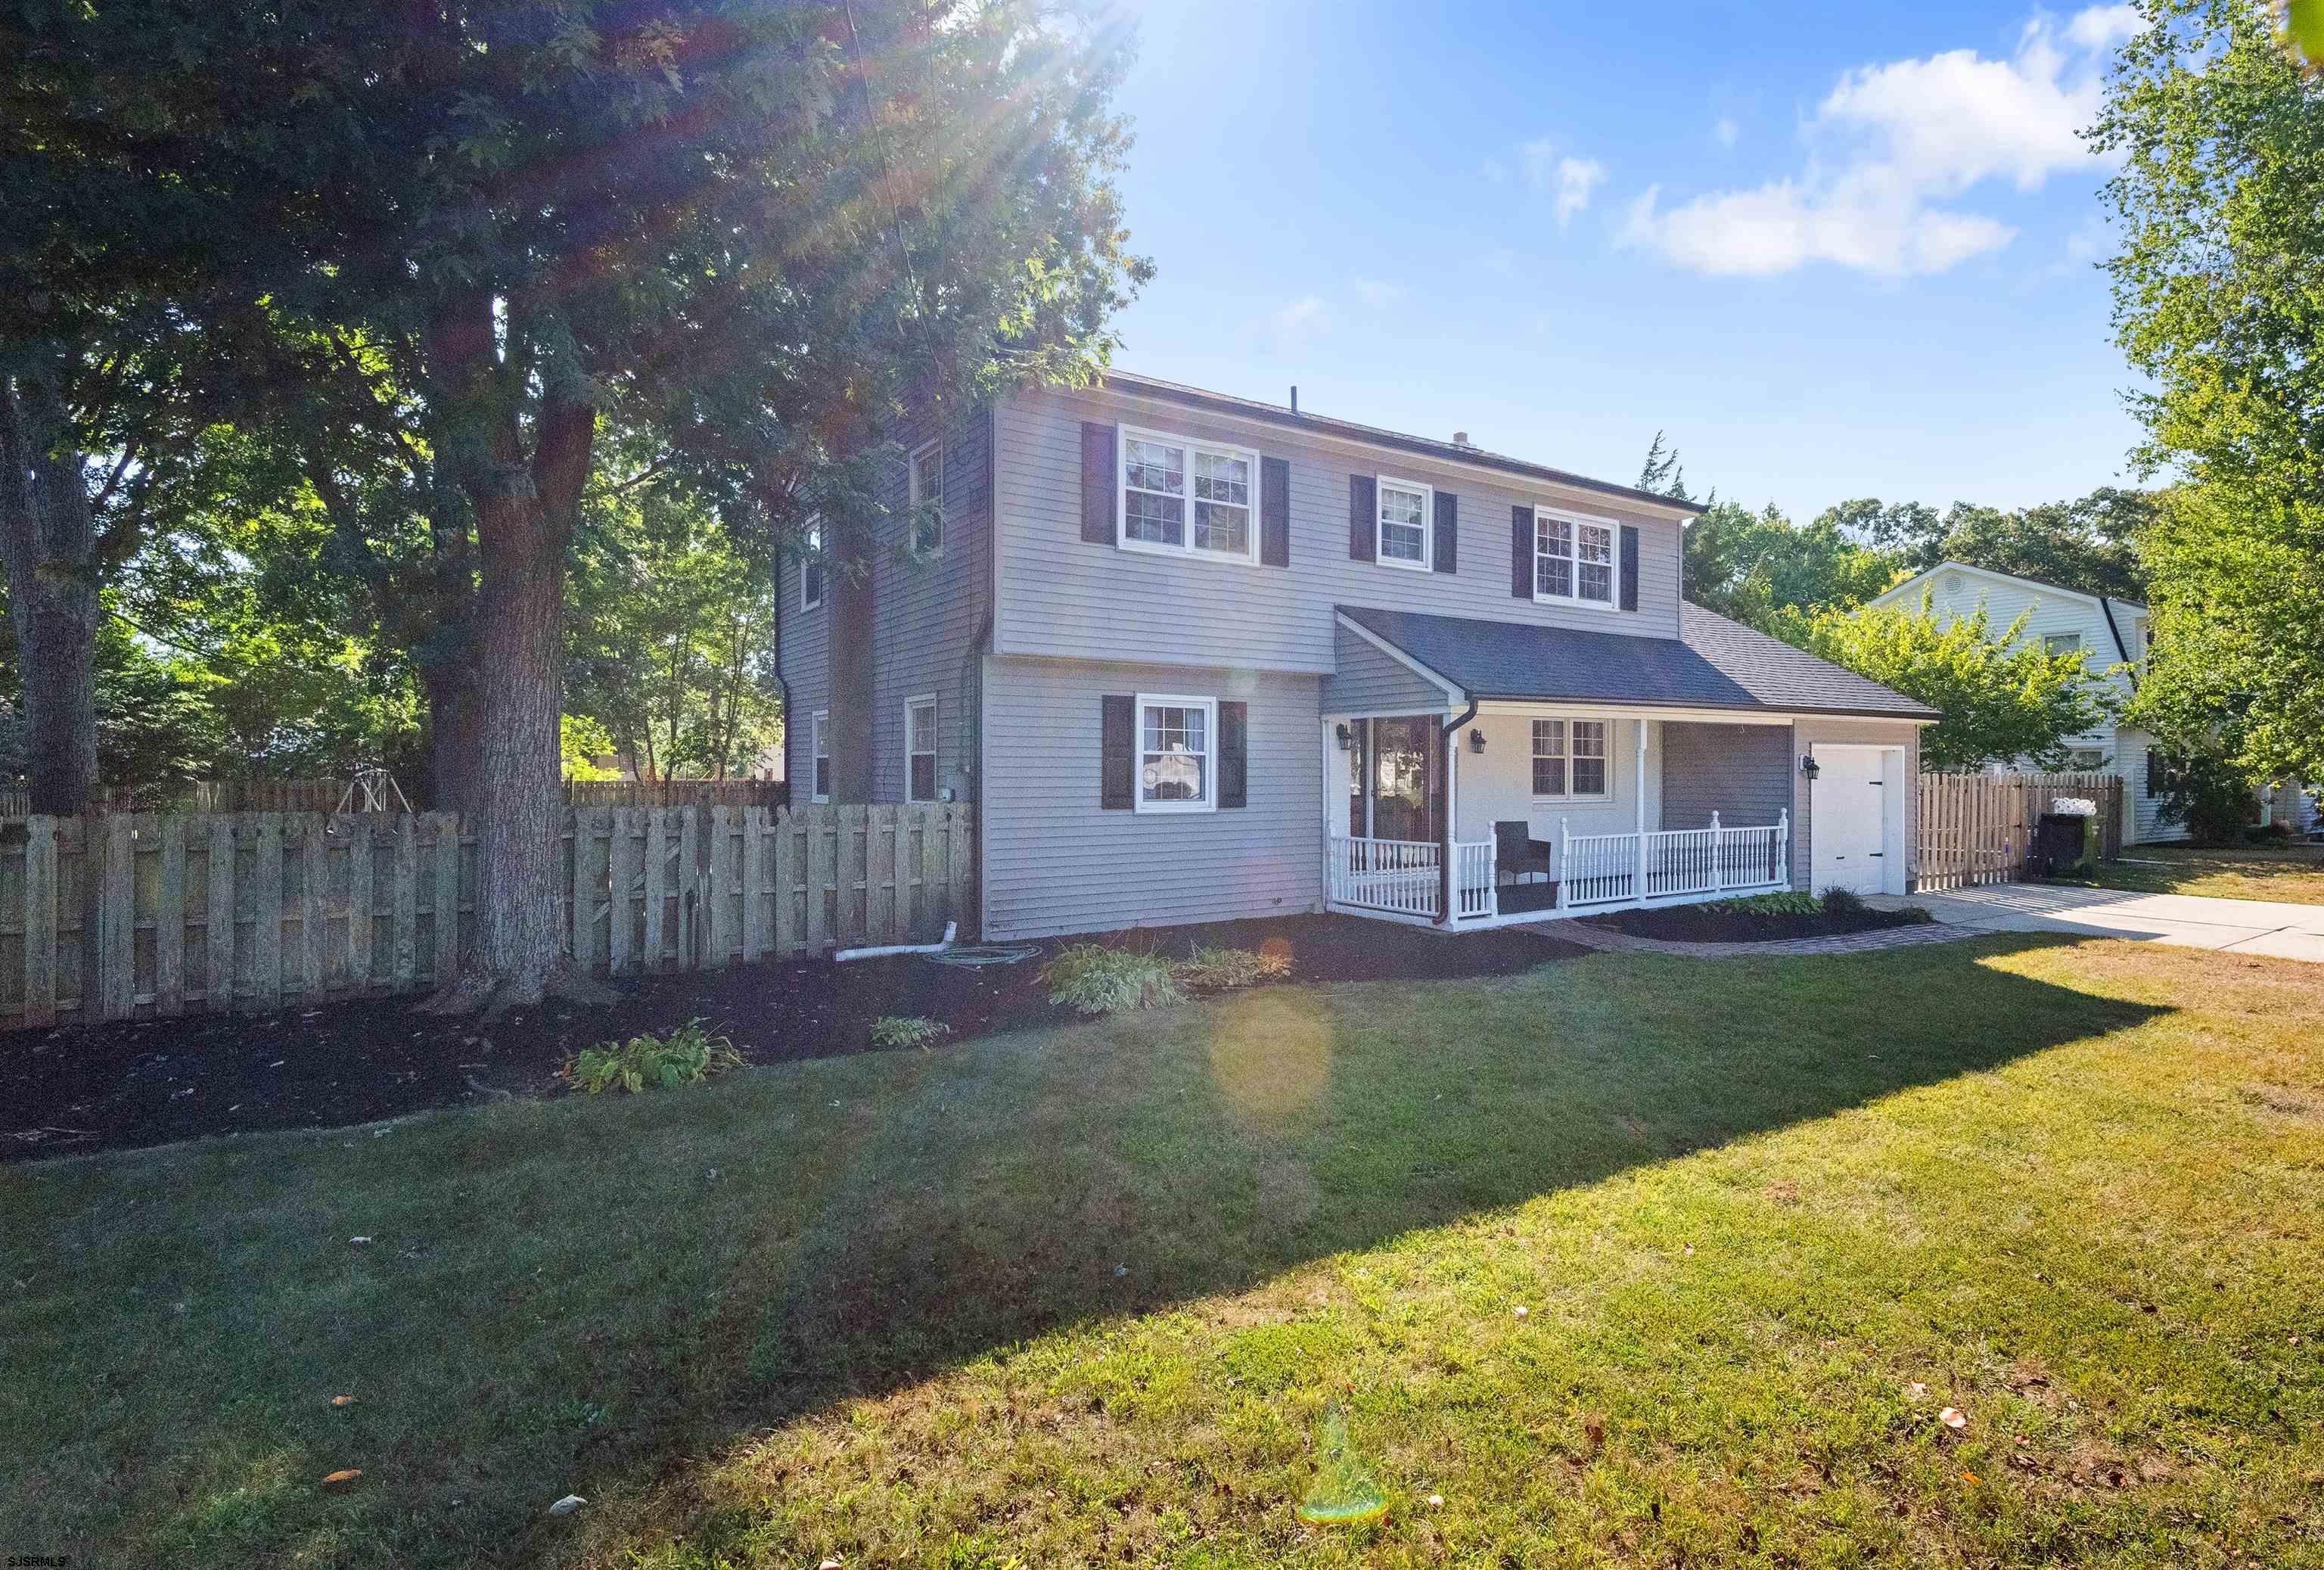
[
  {"x": 1808, "y": 765},
  {"x": 1347, "y": 738},
  {"x": 1476, "y": 740}
]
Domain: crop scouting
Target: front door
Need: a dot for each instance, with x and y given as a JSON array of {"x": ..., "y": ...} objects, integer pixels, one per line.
[
  {"x": 1402, "y": 770},
  {"x": 1850, "y": 802}
]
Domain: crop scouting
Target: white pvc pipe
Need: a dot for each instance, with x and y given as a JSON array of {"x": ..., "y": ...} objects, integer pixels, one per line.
[{"x": 845, "y": 954}]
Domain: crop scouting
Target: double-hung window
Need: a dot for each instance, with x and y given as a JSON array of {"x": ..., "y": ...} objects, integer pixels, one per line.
[
  {"x": 1192, "y": 498},
  {"x": 927, "y": 498},
  {"x": 2057, "y": 643},
  {"x": 1573, "y": 558},
  {"x": 921, "y": 749},
  {"x": 1569, "y": 760},
  {"x": 818, "y": 733},
  {"x": 811, "y": 569},
  {"x": 1404, "y": 524},
  {"x": 1177, "y": 754}
]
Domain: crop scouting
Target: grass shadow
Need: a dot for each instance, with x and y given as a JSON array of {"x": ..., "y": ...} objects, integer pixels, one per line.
[{"x": 592, "y": 1295}]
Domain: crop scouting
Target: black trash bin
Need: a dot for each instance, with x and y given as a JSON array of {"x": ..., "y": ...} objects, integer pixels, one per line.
[{"x": 2061, "y": 843}]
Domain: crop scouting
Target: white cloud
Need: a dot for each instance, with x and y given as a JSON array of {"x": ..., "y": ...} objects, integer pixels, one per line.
[
  {"x": 1568, "y": 181},
  {"x": 1726, "y": 133},
  {"x": 1304, "y": 315},
  {"x": 1377, "y": 293},
  {"x": 1576, "y": 178},
  {"x": 1890, "y": 145},
  {"x": 2105, "y": 26}
]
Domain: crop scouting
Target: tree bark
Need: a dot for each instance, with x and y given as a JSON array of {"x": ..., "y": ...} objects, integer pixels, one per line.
[
  {"x": 519, "y": 954},
  {"x": 48, "y": 551}
]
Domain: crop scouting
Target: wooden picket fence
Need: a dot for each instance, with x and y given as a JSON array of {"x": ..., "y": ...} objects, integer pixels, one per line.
[
  {"x": 1979, "y": 828},
  {"x": 138, "y": 915}
]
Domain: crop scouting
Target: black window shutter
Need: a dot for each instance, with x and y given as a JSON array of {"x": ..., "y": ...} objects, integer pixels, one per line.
[
  {"x": 1363, "y": 518},
  {"x": 1275, "y": 511},
  {"x": 1098, "y": 487},
  {"x": 1234, "y": 750},
  {"x": 1630, "y": 568},
  {"x": 1446, "y": 536},
  {"x": 1521, "y": 552},
  {"x": 1117, "y": 737}
]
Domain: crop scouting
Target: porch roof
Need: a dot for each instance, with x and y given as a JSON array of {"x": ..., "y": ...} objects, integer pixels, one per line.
[{"x": 1714, "y": 663}]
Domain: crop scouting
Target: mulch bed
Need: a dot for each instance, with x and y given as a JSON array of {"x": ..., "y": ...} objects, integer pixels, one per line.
[
  {"x": 1702, "y": 924},
  {"x": 73, "y": 1090}
]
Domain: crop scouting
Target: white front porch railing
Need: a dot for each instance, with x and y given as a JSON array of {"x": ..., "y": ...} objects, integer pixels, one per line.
[
  {"x": 1405, "y": 877},
  {"x": 1606, "y": 869}
]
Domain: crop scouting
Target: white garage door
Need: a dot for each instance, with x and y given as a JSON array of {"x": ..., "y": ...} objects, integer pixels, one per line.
[{"x": 1851, "y": 800}]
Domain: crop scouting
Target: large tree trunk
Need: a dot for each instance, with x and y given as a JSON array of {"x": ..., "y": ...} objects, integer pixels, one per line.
[
  {"x": 451, "y": 739},
  {"x": 48, "y": 550},
  {"x": 517, "y": 635}
]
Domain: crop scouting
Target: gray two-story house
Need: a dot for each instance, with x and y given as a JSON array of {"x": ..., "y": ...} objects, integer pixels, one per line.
[{"x": 1197, "y": 658}]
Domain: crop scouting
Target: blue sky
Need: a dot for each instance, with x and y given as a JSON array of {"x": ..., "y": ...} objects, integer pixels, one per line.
[{"x": 1844, "y": 253}]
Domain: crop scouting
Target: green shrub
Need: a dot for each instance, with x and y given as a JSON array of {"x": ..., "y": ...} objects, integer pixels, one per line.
[
  {"x": 1231, "y": 967},
  {"x": 1840, "y": 903},
  {"x": 890, "y": 1030},
  {"x": 1912, "y": 915},
  {"x": 686, "y": 1056},
  {"x": 1097, "y": 980},
  {"x": 1788, "y": 902}
]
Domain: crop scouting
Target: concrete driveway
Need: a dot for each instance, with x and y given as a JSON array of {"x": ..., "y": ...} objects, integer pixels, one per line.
[{"x": 2192, "y": 920}]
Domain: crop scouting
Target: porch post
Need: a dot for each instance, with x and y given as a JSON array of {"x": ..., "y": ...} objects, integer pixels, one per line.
[
  {"x": 1447, "y": 879},
  {"x": 1564, "y": 863},
  {"x": 1639, "y": 725}
]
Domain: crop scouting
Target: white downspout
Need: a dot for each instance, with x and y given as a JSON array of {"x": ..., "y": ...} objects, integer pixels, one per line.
[{"x": 844, "y": 955}]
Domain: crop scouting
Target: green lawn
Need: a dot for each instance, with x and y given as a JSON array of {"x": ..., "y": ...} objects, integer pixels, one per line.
[
  {"x": 1082, "y": 1296},
  {"x": 2293, "y": 873}
]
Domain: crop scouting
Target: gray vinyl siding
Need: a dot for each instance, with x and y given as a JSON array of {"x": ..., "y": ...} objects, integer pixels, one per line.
[
  {"x": 1369, "y": 681},
  {"x": 928, "y": 615},
  {"x": 1742, "y": 772},
  {"x": 1056, "y": 862},
  {"x": 805, "y": 666},
  {"x": 1805, "y": 733},
  {"x": 1061, "y": 597}
]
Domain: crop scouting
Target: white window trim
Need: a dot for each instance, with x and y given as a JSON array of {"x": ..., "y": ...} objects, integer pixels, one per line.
[
  {"x": 1123, "y": 436},
  {"x": 1606, "y": 757},
  {"x": 1209, "y": 705},
  {"x": 1614, "y": 525},
  {"x": 930, "y": 699},
  {"x": 818, "y": 750},
  {"x": 808, "y": 570},
  {"x": 1427, "y": 562},
  {"x": 912, "y": 490}
]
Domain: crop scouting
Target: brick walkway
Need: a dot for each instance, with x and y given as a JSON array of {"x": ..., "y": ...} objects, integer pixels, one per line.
[{"x": 1612, "y": 941}]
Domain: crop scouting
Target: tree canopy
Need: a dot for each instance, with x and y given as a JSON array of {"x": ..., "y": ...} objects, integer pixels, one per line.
[
  {"x": 2219, "y": 201},
  {"x": 2003, "y": 700}
]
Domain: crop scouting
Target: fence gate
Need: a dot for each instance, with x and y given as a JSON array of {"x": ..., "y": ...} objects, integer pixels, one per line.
[{"x": 1979, "y": 828}]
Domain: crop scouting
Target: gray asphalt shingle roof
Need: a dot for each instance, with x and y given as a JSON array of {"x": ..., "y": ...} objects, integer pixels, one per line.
[{"x": 1713, "y": 664}]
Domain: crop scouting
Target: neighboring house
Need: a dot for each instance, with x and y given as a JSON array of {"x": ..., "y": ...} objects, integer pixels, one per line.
[
  {"x": 2111, "y": 636},
  {"x": 1199, "y": 658}
]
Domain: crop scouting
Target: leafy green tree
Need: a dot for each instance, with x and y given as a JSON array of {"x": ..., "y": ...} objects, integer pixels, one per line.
[
  {"x": 1662, "y": 473},
  {"x": 759, "y": 231},
  {"x": 2003, "y": 700},
  {"x": 2220, "y": 203},
  {"x": 671, "y": 635},
  {"x": 1752, "y": 565},
  {"x": 2210, "y": 794}
]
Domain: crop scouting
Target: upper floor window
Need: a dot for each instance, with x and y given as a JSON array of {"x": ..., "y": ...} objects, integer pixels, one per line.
[
  {"x": 1404, "y": 524},
  {"x": 818, "y": 734},
  {"x": 2062, "y": 643},
  {"x": 1574, "y": 560},
  {"x": 1568, "y": 758},
  {"x": 811, "y": 569},
  {"x": 1187, "y": 496},
  {"x": 1174, "y": 753},
  {"x": 927, "y": 498},
  {"x": 921, "y": 749}
]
